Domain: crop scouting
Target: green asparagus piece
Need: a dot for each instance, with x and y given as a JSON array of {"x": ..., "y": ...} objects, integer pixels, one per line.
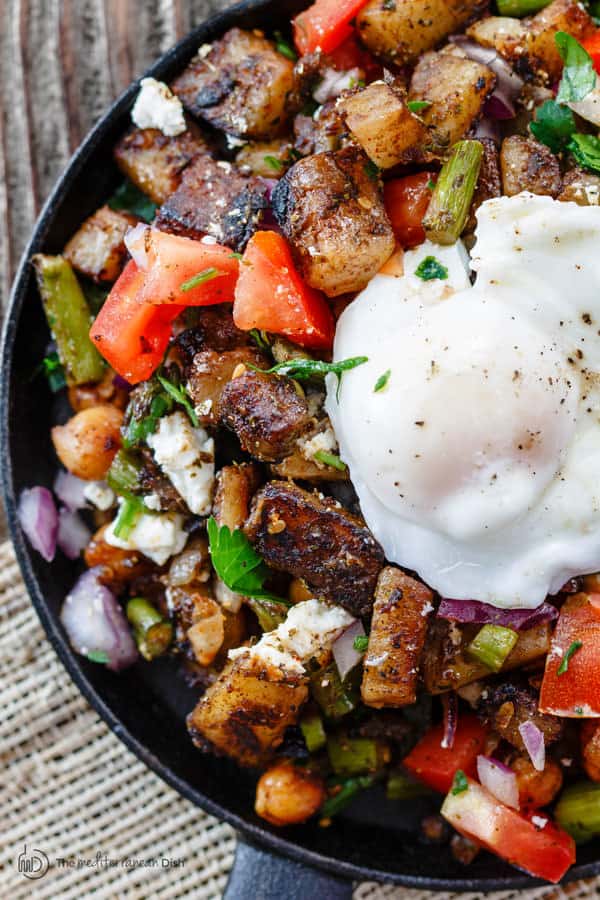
[
  {"x": 578, "y": 811},
  {"x": 124, "y": 473},
  {"x": 348, "y": 790},
  {"x": 336, "y": 698},
  {"x": 130, "y": 511},
  {"x": 451, "y": 199},
  {"x": 313, "y": 732},
  {"x": 492, "y": 645},
  {"x": 519, "y": 8},
  {"x": 69, "y": 319},
  {"x": 356, "y": 756},
  {"x": 153, "y": 633}
]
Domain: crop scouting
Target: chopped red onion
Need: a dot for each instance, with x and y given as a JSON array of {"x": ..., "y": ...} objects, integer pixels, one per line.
[
  {"x": 499, "y": 780},
  {"x": 121, "y": 383},
  {"x": 136, "y": 243},
  {"x": 475, "y": 612},
  {"x": 96, "y": 624},
  {"x": 39, "y": 520},
  {"x": 344, "y": 653},
  {"x": 450, "y": 704},
  {"x": 73, "y": 533},
  {"x": 269, "y": 184},
  {"x": 334, "y": 82},
  {"x": 70, "y": 490},
  {"x": 508, "y": 84},
  {"x": 499, "y": 107},
  {"x": 534, "y": 744}
]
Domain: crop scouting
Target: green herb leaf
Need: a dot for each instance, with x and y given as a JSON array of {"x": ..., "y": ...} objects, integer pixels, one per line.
[
  {"x": 361, "y": 642},
  {"x": 431, "y": 269},
  {"x": 586, "y": 150},
  {"x": 260, "y": 338},
  {"x": 579, "y": 76},
  {"x": 235, "y": 255},
  {"x": 54, "y": 372},
  {"x": 305, "y": 369},
  {"x": 284, "y": 47},
  {"x": 237, "y": 563},
  {"x": 130, "y": 511},
  {"x": 179, "y": 395},
  {"x": 417, "y": 106},
  {"x": 431, "y": 184},
  {"x": 274, "y": 163},
  {"x": 371, "y": 170},
  {"x": 554, "y": 125},
  {"x": 201, "y": 278},
  {"x": 330, "y": 459},
  {"x": 129, "y": 198},
  {"x": 349, "y": 788},
  {"x": 460, "y": 783},
  {"x": 382, "y": 381},
  {"x": 97, "y": 656},
  {"x": 564, "y": 666}
]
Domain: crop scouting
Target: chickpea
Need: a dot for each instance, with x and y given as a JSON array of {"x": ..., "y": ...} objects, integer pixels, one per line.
[
  {"x": 88, "y": 442},
  {"x": 536, "y": 789},
  {"x": 288, "y": 795},
  {"x": 590, "y": 749},
  {"x": 82, "y": 396}
]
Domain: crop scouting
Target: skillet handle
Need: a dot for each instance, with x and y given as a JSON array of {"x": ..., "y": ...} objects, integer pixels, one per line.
[{"x": 258, "y": 875}]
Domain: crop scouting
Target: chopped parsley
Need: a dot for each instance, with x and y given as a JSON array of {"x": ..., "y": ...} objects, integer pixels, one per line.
[
  {"x": 371, "y": 170},
  {"x": 306, "y": 369},
  {"x": 431, "y": 269},
  {"x": 460, "y": 783},
  {"x": 284, "y": 47},
  {"x": 179, "y": 395},
  {"x": 260, "y": 338},
  {"x": 237, "y": 563},
  {"x": 554, "y": 125},
  {"x": 97, "y": 656},
  {"x": 129, "y": 198},
  {"x": 586, "y": 150},
  {"x": 579, "y": 75},
  {"x": 330, "y": 459},
  {"x": 201, "y": 278},
  {"x": 417, "y": 106},
  {"x": 564, "y": 666},
  {"x": 274, "y": 163},
  {"x": 431, "y": 184},
  {"x": 54, "y": 372},
  {"x": 361, "y": 642},
  {"x": 344, "y": 793},
  {"x": 382, "y": 381}
]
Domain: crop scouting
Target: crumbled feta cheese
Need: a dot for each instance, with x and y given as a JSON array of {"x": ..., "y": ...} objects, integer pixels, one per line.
[
  {"x": 315, "y": 401},
  {"x": 228, "y": 599},
  {"x": 234, "y": 142},
  {"x": 204, "y": 50},
  {"x": 187, "y": 457},
  {"x": 324, "y": 441},
  {"x": 158, "y": 107},
  {"x": 99, "y": 495},
  {"x": 310, "y": 628},
  {"x": 204, "y": 407},
  {"x": 152, "y": 501},
  {"x": 539, "y": 821},
  {"x": 157, "y": 537}
]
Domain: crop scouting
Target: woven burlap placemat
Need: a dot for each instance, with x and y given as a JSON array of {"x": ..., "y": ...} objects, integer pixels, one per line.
[{"x": 79, "y": 808}]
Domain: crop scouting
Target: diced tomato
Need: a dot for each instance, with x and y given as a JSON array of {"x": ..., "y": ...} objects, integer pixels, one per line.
[
  {"x": 271, "y": 295},
  {"x": 325, "y": 24},
  {"x": 571, "y": 685},
  {"x": 436, "y": 766},
  {"x": 406, "y": 202},
  {"x": 170, "y": 261},
  {"x": 352, "y": 55},
  {"x": 545, "y": 852},
  {"x": 130, "y": 334},
  {"x": 592, "y": 45}
]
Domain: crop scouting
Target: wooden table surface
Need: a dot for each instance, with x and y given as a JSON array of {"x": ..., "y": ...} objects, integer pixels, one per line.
[{"x": 62, "y": 62}]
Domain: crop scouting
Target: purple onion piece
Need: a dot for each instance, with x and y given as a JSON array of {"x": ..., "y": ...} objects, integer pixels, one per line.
[
  {"x": 533, "y": 740},
  {"x": 450, "y": 704},
  {"x": 96, "y": 624},
  {"x": 508, "y": 85},
  {"x": 136, "y": 243},
  {"x": 70, "y": 490},
  {"x": 344, "y": 653},
  {"x": 39, "y": 520},
  {"x": 121, "y": 383},
  {"x": 474, "y": 612},
  {"x": 499, "y": 107},
  {"x": 499, "y": 780},
  {"x": 73, "y": 533},
  {"x": 488, "y": 129}
]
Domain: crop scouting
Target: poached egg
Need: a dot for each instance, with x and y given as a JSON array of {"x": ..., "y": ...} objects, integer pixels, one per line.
[{"x": 478, "y": 463}]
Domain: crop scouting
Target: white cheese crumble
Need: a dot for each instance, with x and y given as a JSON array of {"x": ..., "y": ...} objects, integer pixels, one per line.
[
  {"x": 187, "y": 457},
  {"x": 157, "y": 537},
  {"x": 152, "y": 501},
  {"x": 309, "y": 629},
  {"x": 158, "y": 107},
  {"x": 322, "y": 442},
  {"x": 99, "y": 495}
]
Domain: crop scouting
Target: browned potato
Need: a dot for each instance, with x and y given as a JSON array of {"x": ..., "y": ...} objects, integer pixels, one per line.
[
  {"x": 240, "y": 85},
  {"x": 403, "y": 29},
  {"x": 214, "y": 198},
  {"x": 236, "y": 486},
  {"x": 590, "y": 749},
  {"x": 457, "y": 88},
  {"x": 527, "y": 165},
  {"x": 297, "y": 468},
  {"x": 245, "y": 713},
  {"x": 447, "y": 667},
  {"x": 155, "y": 162},
  {"x": 288, "y": 795},
  {"x": 210, "y": 372},
  {"x": 384, "y": 126},
  {"x": 97, "y": 249},
  {"x": 265, "y": 158},
  {"x": 581, "y": 187},
  {"x": 118, "y": 566},
  {"x": 506, "y": 35},
  {"x": 398, "y": 631},
  {"x": 330, "y": 206},
  {"x": 295, "y": 531},
  {"x": 87, "y": 444},
  {"x": 207, "y": 631},
  {"x": 82, "y": 396},
  {"x": 489, "y": 184},
  {"x": 536, "y": 789}
]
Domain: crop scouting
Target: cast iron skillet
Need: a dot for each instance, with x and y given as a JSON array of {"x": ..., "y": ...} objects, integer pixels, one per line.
[{"x": 146, "y": 706}]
